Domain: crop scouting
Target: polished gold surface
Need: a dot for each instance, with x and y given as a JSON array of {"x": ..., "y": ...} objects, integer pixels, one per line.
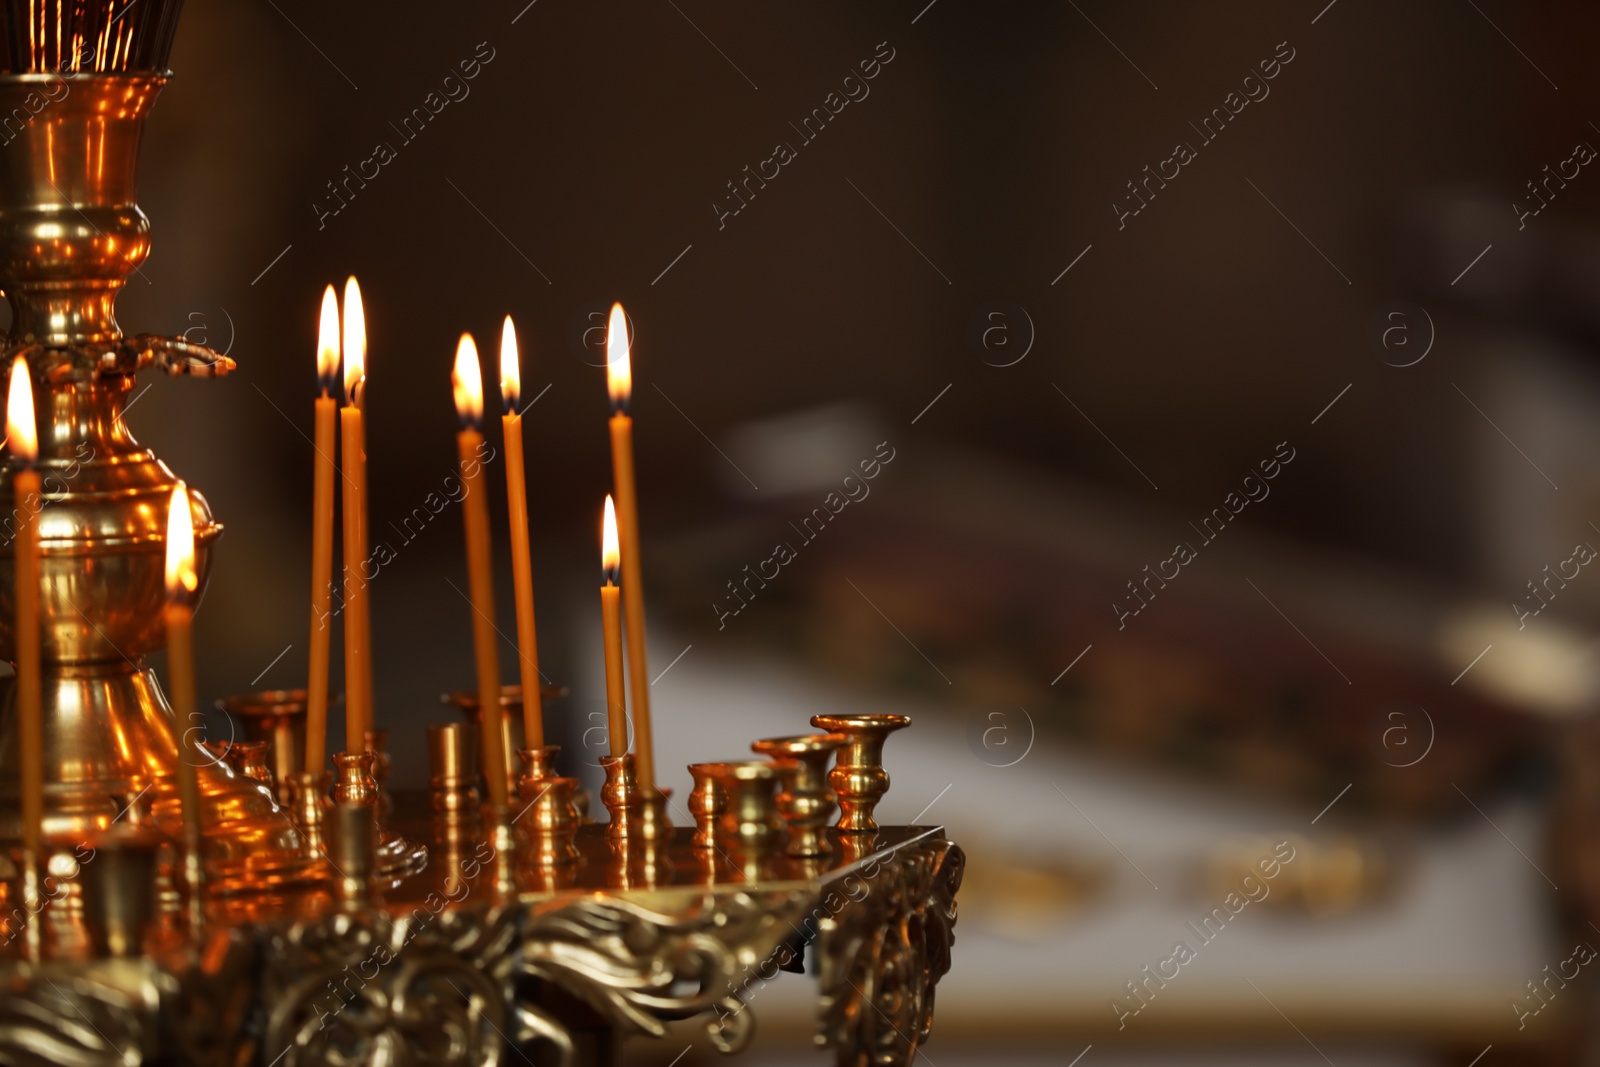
[
  {"x": 804, "y": 800},
  {"x": 858, "y": 778},
  {"x": 278, "y": 717},
  {"x": 70, "y": 233},
  {"x": 707, "y": 803},
  {"x": 621, "y": 798}
]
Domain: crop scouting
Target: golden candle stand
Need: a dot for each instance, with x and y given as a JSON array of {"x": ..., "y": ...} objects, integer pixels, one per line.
[
  {"x": 526, "y": 935},
  {"x": 321, "y": 921}
]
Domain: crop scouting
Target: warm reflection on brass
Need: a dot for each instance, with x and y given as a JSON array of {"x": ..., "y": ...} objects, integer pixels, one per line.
[
  {"x": 749, "y": 829},
  {"x": 621, "y": 796},
  {"x": 511, "y": 723},
  {"x": 248, "y": 759},
  {"x": 547, "y": 820},
  {"x": 354, "y": 855},
  {"x": 858, "y": 779},
  {"x": 707, "y": 802},
  {"x": 70, "y": 233},
  {"x": 804, "y": 800},
  {"x": 119, "y": 886},
  {"x": 352, "y": 779},
  {"x": 378, "y": 745},
  {"x": 452, "y": 784},
  {"x": 278, "y": 717},
  {"x": 654, "y": 822},
  {"x": 308, "y": 806}
]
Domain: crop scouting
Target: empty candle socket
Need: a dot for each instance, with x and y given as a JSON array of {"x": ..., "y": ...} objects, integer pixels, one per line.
[
  {"x": 858, "y": 778},
  {"x": 352, "y": 779},
  {"x": 707, "y": 802},
  {"x": 804, "y": 800}
]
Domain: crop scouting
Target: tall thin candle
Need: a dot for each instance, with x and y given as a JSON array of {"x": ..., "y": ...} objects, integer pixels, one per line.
[
  {"x": 521, "y": 554},
  {"x": 357, "y": 617},
  {"x": 467, "y": 382},
  {"x": 619, "y": 381},
  {"x": 327, "y": 410},
  {"x": 610, "y": 620},
  {"x": 179, "y": 619},
  {"x": 22, "y": 434}
]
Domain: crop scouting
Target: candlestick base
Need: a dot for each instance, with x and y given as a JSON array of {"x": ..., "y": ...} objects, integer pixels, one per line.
[
  {"x": 858, "y": 778},
  {"x": 621, "y": 797},
  {"x": 707, "y": 802},
  {"x": 804, "y": 801},
  {"x": 308, "y": 806}
]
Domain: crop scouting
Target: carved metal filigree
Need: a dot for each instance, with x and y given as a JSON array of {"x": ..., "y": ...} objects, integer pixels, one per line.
[
  {"x": 182, "y": 1009},
  {"x": 641, "y": 966},
  {"x": 882, "y": 953},
  {"x": 426, "y": 988}
]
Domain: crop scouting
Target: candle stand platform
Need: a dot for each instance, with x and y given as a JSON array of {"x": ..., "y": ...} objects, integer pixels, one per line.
[{"x": 486, "y": 958}]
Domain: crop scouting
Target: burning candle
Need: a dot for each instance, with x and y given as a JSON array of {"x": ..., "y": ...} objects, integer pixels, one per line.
[
  {"x": 357, "y": 615},
  {"x": 322, "y": 532},
  {"x": 467, "y": 382},
  {"x": 24, "y": 443},
  {"x": 179, "y": 618},
  {"x": 611, "y": 621},
  {"x": 521, "y": 556},
  {"x": 619, "y": 381}
]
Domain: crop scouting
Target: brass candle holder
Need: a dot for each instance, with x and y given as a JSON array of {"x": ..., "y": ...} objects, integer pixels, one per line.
[
  {"x": 804, "y": 801},
  {"x": 511, "y": 730},
  {"x": 548, "y": 819},
  {"x": 308, "y": 807},
  {"x": 352, "y": 779},
  {"x": 620, "y": 795},
  {"x": 453, "y": 783},
  {"x": 278, "y": 717},
  {"x": 750, "y": 829},
  {"x": 707, "y": 803},
  {"x": 858, "y": 779}
]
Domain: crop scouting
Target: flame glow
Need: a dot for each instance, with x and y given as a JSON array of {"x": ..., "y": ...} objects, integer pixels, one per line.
[
  {"x": 467, "y": 382},
  {"x": 181, "y": 578},
  {"x": 328, "y": 340},
  {"x": 610, "y": 557},
  {"x": 510, "y": 368},
  {"x": 21, "y": 433},
  {"x": 619, "y": 364},
  {"x": 355, "y": 341}
]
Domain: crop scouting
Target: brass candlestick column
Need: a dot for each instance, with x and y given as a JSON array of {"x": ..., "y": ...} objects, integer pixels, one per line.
[{"x": 70, "y": 233}]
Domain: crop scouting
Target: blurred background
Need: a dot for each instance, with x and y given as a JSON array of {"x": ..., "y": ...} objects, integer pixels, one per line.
[{"x": 1225, "y": 375}]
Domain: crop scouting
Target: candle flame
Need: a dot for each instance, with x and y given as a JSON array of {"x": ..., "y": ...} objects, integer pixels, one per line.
[
  {"x": 20, "y": 431},
  {"x": 328, "y": 341},
  {"x": 355, "y": 343},
  {"x": 610, "y": 557},
  {"x": 467, "y": 382},
  {"x": 181, "y": 578},
  {"x": 619, "y": 364},
  {"x": 510, "y": 368}
]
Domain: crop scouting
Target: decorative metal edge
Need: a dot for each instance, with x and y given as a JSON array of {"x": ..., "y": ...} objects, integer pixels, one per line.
[{"x": 882, "y": 951}]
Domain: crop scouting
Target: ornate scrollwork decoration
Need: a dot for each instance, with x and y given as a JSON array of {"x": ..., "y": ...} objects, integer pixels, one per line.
[
  {"x": 639, "y": 966},
  {"x": 423, "y": 989},
  {"x": 187, "y": 1006},
  {"x": 882, "y": 955},
  {"x": 92, "y": 1018}
]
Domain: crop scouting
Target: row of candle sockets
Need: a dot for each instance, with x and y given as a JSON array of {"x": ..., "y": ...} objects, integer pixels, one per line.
[
  {"x": 748, "y": 814},
  {"x": 733, "y": 804},
  {"x": 342, "y": 339}
]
